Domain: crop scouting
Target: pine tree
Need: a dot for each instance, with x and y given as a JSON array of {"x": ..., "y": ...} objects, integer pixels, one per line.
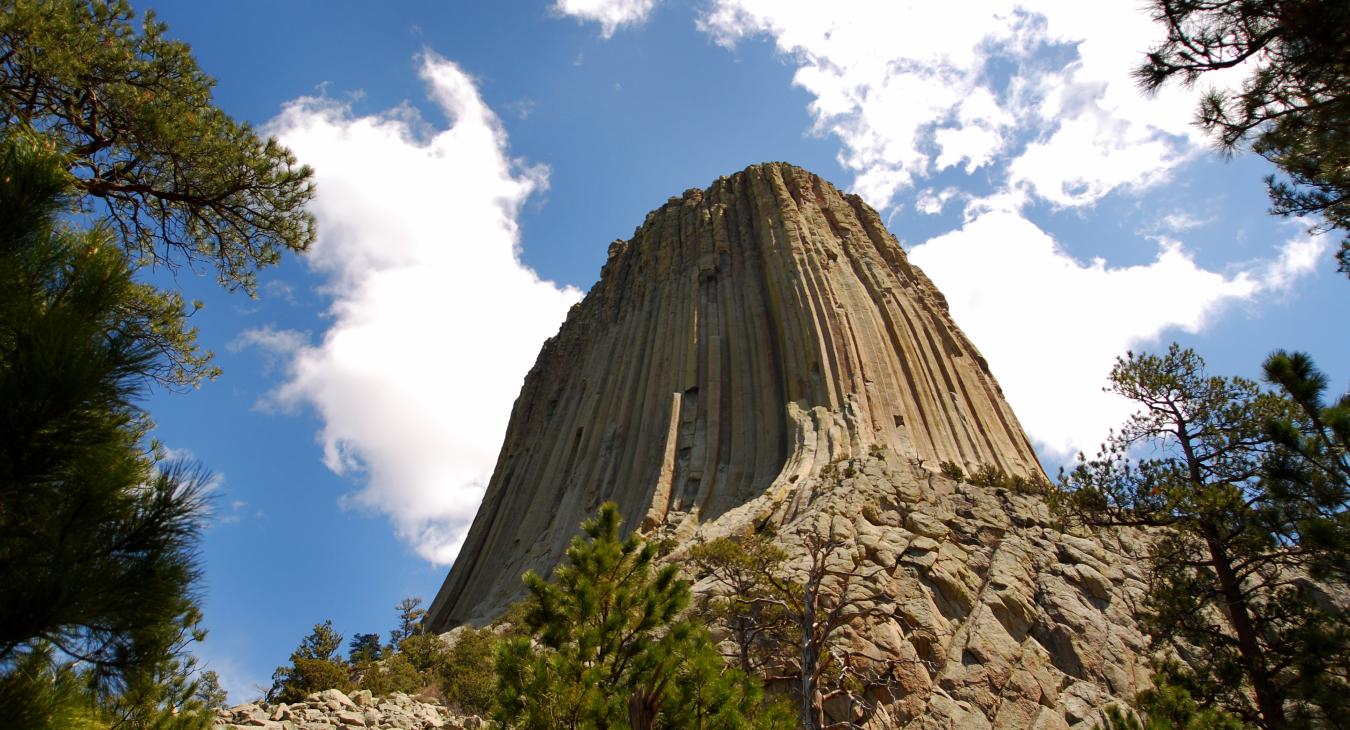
[
  {"x": 176, "y": 181},
  {"x": 1308, "y": 473},
  {"x": 466, "y": 672},
  {"x": 608, "y": 647},
  {"x": 1293, "y": 108},
  {"x": 409, "y": 621},
  {"x": 364, "y": 648},
  {"x": 98, "y": 536},
  {"x": 788, "y": 621},
  {"x": 1170, "y": 705},
  {"x": 316, "y": 665},
  {"x": 179, "y": 180},
  {"x": 38, "y": 692},
  {"x": 210, "y": 693},
  {"x": 758, "y": 629},
  {"x": 163, "y": 694},
  {"x": 1243, "y": 575}
]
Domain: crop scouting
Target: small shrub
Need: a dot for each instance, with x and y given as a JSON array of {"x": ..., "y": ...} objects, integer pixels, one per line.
[
  {"x": 423, "y": 651},
  {"x": 951, "y": 471},
  {"x": 989, "y": 476},
  {"x": 395, "y": 673},
  {"x": 1033, "y": 485},
  {"x": 315, "y": 665},
  {"x": 466, "y": 672},
  {"x": 310, "y": 675}
]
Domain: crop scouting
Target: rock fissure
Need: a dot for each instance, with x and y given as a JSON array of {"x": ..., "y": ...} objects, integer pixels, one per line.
[{"x": 761, "y": 355}]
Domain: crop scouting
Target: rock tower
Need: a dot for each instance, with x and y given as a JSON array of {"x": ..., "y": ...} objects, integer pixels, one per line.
[
  {"x": 744, "y": 337},
  {"x": 753, "y": 337}
]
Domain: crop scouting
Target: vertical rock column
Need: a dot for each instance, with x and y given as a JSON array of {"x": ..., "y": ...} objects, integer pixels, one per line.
[{"x": 744, "y": 337}]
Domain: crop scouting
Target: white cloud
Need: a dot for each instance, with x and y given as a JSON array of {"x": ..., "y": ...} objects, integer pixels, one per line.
[
  {"x": 169, "y": 453},
  {"x": 1179, "y": 220},
  {"x": 610, "y": 14},
  {"x": 277, "y": 289},
  {"x": 269, "y": 339},
  {"x": 215, "y": 481},
  {"x": 1039, "y": 88},
  {"x": 1299, "y": 256},
  {"x": 435, "y": 320},
  {"x": 234, "y": 514},
  {"x": 930, "y": 202},
  {"x": 277, "y": 346},
  {"x": 1085, "y": 315},
  {"x": 1036, "y": 98},
  {"x": 1082, "y": 162}
]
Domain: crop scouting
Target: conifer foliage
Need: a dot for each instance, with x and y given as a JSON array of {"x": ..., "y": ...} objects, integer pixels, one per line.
[
  {"x": 608, "y": 647},
  {"x": 315, "y": 665},
  {"x": 1252, "y": 489},
  {"x": 1293, "y": 107},
  {"x": 787, "y": 620},
  {"x": 458, "y": 671},
  {"x": 98, "y": 535},
  {"x": 179, "y": 180}
]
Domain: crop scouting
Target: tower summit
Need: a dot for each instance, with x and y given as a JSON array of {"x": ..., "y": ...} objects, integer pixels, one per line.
[{"x": 744, "y": 338}]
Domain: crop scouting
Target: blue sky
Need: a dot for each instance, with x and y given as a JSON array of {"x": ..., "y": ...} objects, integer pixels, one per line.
[{"x": 475, "y": 160}]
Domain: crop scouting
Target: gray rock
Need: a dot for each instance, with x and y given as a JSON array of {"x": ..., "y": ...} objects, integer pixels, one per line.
[
  {"x": 762, "y": 331},
  {"x": 333, "y": 697}
]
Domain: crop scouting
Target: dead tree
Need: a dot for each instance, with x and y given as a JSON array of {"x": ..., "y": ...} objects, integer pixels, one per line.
[{"x": 808, "y": 609}]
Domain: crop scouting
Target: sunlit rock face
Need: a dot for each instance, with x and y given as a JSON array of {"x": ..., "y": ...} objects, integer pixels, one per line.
[
  {"x": 746, "y": 336},
  {"x": 762, "y": 355}
]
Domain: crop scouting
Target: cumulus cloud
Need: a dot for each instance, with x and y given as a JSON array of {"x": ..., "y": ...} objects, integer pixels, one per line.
[
  {"x": 610, "y": 14},
  {"x": 930, "y": 202},
  {"x": 1027, "y": 102},
  {"x": 1299, "y": 256},
  {"x": 912, "y": 89},
  {"x": 1024, "y": 283},
  {"x": 434, "y": 319}
]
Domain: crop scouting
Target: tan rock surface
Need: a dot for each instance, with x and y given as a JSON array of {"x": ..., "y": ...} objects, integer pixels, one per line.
[
  {"x": 747, "y": 335},
  {"x": 334, "y": 710},
  {"x": 998, "y": 619},
  {"x": 761, "y": 353}
]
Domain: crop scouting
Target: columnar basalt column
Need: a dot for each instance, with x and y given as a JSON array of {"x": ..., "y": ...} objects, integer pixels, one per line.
[{"x": 746, "y": 336}]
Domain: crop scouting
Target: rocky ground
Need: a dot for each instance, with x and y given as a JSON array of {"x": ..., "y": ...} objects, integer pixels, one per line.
[
  {"x": 334, "y": 710},
  {"x": 993, "y": 617},
  {"x": 996, "y": 617}
]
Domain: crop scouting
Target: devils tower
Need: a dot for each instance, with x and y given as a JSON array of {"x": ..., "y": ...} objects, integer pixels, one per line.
[{"x": 752, "y": 337}]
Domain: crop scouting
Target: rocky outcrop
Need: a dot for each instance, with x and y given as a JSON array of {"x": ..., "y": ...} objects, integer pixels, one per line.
[
  {"x": 991, "y": 616},
  {"x": 761, "y": 356},
  {"x": 332, "y": 709},
  {"x": 744, "y": 337}
]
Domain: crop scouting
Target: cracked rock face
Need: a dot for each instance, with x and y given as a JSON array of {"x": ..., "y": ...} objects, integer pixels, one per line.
[
  {"x": 995, "y": 618},
  {"x": 762, "y": 352},
  {"x": 746, "y": 335}
]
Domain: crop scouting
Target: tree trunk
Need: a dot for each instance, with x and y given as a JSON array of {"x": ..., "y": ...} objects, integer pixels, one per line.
[
  {"x": 641, "y": 713},
  {"x": 810, "y": 660},
  {"x": 743, "y": 643},
  {"x": 1268, "y": 699}
]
